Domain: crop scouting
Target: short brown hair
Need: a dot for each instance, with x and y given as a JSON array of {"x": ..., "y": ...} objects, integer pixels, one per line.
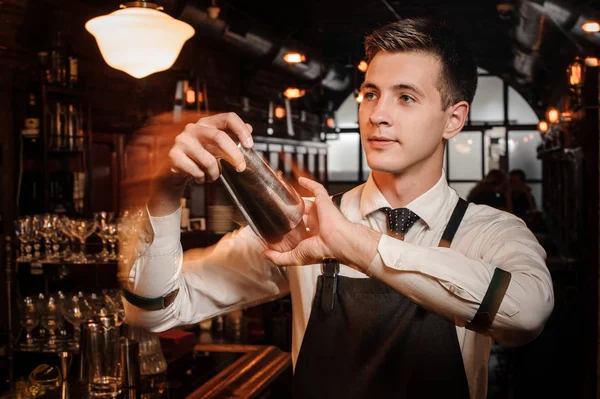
[{"x": 458, "y": 80}]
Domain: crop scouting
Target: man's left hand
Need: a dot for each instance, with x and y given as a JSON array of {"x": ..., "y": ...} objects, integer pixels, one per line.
[{"x": 331, "y": 235}]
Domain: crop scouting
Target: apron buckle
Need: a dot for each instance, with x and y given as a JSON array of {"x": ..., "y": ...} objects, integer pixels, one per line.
[{"x": 329, "y": 269}]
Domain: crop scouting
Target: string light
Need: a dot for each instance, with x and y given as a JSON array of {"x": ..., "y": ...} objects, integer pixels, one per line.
[
  {"x": 591, "y": 61},
  {"x": 293, "y": 92},
  {"x": 552, "y": 115},
  {"x": 362, "y": 66},
  {"x": 575, "y": 73},
  {"x": 279, "y": 112},
  {"x": 359, "y": 97},
  {"x": 591, "y": 27},
  {"x": 294, "y": 58}
]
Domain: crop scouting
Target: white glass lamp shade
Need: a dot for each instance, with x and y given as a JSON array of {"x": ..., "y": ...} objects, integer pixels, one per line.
[{"x": 139, "y": 41}]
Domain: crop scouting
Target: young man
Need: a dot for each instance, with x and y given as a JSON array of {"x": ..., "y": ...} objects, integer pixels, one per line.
[{"x": 409, "y": 313}]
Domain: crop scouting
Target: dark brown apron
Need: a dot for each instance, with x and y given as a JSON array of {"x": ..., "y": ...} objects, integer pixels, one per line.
[{"x": 366, "y": 340}]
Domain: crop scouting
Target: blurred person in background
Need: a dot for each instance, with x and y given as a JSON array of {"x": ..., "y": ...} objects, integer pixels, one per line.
[{"x": 493, "y": 191}]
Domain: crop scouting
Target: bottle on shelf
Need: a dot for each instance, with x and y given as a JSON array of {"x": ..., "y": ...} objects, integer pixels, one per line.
[
  {"x": 31, "y": 128},
  {"x": 58, "y": 132},
  {"x": 185, "y": 215},
  {"x": 61, "y": 185},
  {"x": 73, "y": 129},
  {"x": 79, "y": 191},
  {"x": 46, "y": 68},
  {"x": 31, "y": 125},
  {"x": 31, "y": 198},
  {"x": 73, "y": 71},
  {"x": 58, "y": 60}
]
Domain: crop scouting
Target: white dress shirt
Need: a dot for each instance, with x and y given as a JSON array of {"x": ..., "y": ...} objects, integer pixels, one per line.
[{"x": 448, "y": 281}]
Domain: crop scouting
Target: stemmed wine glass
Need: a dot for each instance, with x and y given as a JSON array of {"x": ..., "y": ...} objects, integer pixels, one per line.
[
  {"x": 82, "y": 229},
  {"x": 36, "y": 220},
  {"x": 46, "y": 227},
  {"x": 64, "y": 226},
  {"x": 114, "y": 305},
  {"x": 25, "y": 234},
  {"x": 29, "y": 318},
  {"x": 50, "y": 319},
  {"x": 76, "y": 311},
  {"x": 101, "y": 220},
  {"x": 112, "y": 236}
]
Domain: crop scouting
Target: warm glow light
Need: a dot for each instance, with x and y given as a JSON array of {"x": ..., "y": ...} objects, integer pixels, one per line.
[
  {"x": 139, "y": 41},
  {"x": 279, "y": 112},
  {"x": 575, "y": 74},
  {"x": 330, "y": 122},
  {"x": 293, "y": 92},
  {"x": 190, "y": 96},
  {"x": 591, "y": 27},
  {"x": 359, "y": 97},
  {"x": 543, "y": 126},
  {"x": 362, "y": 66},
  {"x": 294, "y": 58},
  {"x": 591, "y": 61},
  {"x": 552, "y": 115}
]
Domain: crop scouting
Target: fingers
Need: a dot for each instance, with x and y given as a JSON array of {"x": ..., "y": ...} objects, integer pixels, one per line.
[
  {"x": 203, "y": 145},
  {"x": 220, "y": 145},
  {"x": 322, "y": 200},
  {"x": 230, "y": 122},
  {"x": 183, "y": 165},
  {"x": 317, "y": 189},
  {"x": 281, "y": 258},
  {"x": 307, "y": 252}
]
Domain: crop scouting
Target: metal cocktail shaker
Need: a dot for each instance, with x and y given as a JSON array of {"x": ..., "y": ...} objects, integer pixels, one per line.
[{"x": 271, "y": 206}]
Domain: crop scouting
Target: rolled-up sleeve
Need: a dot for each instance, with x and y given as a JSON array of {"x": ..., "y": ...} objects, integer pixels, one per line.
[
  {"x": 230, "y": 275},
  {"x": 453, "y": 284}
]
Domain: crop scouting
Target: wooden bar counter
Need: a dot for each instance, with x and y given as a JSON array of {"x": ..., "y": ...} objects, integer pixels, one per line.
[{"x": 214, "y": 371}]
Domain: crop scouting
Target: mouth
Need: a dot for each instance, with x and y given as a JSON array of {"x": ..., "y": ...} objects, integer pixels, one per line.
[{"x": 379, "y": 141}]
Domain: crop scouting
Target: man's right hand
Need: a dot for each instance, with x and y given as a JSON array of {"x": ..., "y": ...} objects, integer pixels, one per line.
[{"x": 195, "y": 156}]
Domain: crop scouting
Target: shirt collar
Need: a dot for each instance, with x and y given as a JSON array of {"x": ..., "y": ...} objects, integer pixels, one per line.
[{"x": 428, "y": 205}]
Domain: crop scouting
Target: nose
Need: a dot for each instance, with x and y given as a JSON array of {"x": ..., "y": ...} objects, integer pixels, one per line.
[{"x": 380, "y": 114}]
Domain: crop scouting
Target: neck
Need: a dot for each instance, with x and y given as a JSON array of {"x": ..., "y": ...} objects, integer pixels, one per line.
[{"x": 399, "y": 189}]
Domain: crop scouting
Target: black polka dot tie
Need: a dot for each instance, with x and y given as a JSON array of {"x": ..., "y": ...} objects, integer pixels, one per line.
[{"x": 400, "y": 220}]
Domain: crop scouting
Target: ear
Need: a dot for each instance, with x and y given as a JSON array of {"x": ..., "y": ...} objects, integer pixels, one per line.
[{"x": 456, "y": 119}]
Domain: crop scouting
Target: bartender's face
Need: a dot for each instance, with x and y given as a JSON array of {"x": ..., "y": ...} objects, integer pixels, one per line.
[{"x": 402, "y": 123}]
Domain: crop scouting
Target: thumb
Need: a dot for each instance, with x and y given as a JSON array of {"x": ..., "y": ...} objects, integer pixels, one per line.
[{"x": 288, "y": 258}]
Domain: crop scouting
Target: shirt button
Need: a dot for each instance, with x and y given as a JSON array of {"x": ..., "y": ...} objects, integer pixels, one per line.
[
  {"x": 398, "y": 263},
  {"x": 453, "y": 289}
]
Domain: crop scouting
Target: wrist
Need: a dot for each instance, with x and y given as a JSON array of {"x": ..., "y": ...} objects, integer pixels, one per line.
[
  {"x": 166, "y": 194},
  {"x": 361, "y": 247}
]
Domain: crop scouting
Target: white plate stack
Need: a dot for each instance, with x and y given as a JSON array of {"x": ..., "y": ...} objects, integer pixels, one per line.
[{"x": 221, "y": 218}]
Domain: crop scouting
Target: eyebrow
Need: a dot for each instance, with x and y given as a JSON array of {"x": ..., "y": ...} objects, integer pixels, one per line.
[{"x": 396, "y": 87}]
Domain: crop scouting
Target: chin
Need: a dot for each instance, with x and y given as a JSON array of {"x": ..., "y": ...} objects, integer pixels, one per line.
[{"x": 385, "y": 165}]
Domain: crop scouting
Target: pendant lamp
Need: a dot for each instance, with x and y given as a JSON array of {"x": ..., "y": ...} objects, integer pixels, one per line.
[{"x": 139, "y": 39}]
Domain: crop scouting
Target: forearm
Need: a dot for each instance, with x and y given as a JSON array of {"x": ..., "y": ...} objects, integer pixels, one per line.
[
  {"x": 453, "y": 285},
  {"x": 160, "y": 256},
  {"x": 230, "y": 275},
  {"x": 166, "y": 194}
]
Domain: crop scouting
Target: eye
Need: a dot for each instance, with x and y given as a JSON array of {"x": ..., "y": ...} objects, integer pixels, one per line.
[
  {"x": 406, "y": 98},
  {"x": 369, "y": 95}
]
